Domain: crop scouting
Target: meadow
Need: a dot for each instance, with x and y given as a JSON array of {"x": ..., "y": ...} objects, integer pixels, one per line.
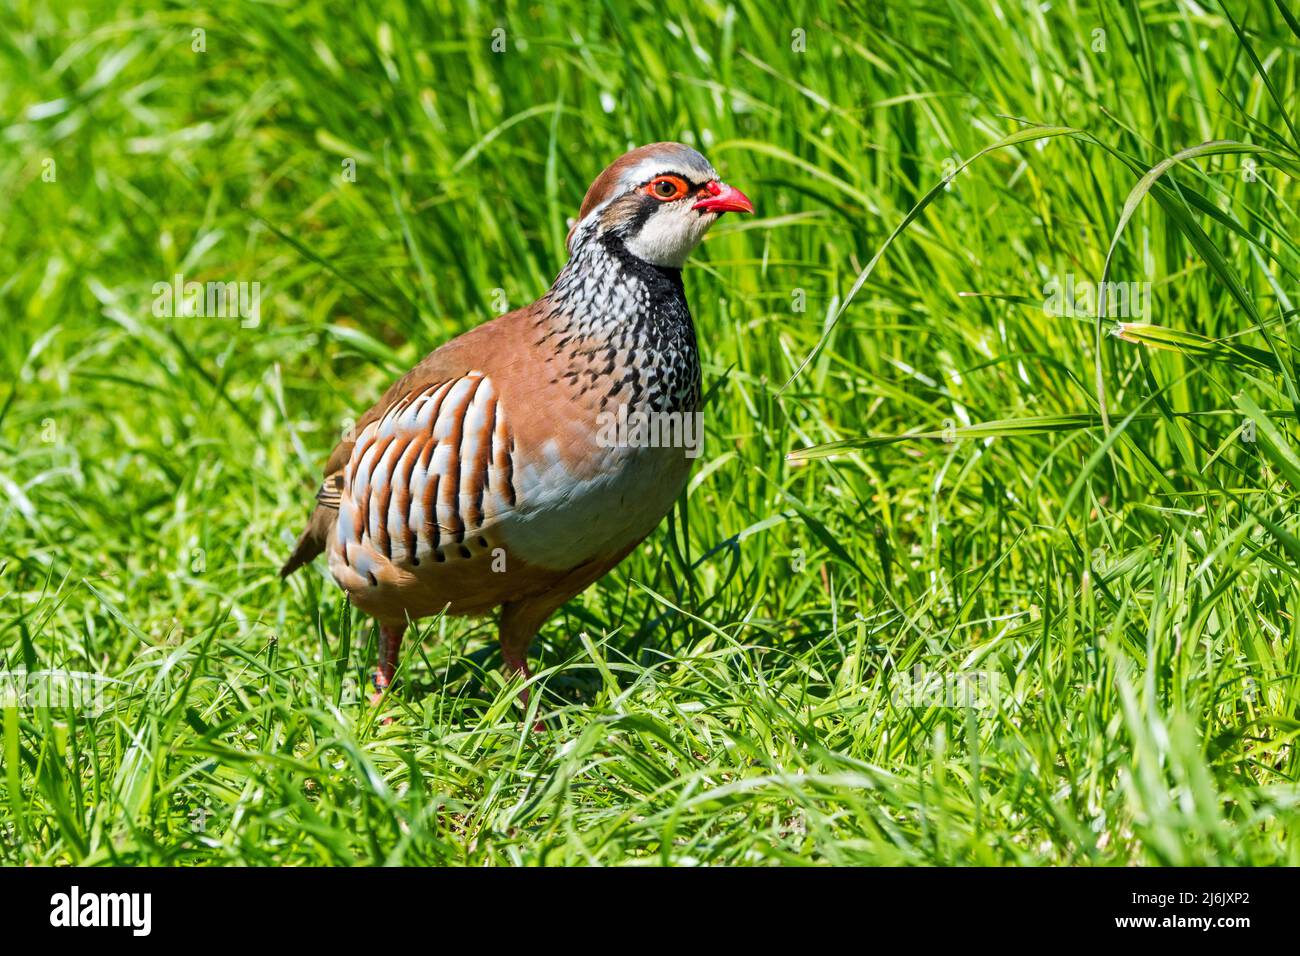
[{"x": 991, "y": 554}]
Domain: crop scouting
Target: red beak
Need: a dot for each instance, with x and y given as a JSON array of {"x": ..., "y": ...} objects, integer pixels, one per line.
[{"x": 724, "y": 198}]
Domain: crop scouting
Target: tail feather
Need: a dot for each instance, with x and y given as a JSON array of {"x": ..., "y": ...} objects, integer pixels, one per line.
[{"x": 312, "y": 541}]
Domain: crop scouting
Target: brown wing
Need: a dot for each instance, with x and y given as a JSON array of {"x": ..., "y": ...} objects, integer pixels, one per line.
[{"x": 453, "y": 360}]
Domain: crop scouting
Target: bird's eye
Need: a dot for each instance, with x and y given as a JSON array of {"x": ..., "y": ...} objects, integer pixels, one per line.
[{"x": 666, "y": 187}]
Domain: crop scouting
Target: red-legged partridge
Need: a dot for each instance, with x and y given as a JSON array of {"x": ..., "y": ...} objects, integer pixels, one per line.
[{"x": 519, "y": 462}]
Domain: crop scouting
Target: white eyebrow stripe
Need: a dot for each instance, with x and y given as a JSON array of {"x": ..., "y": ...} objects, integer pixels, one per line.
[{"x": 649, "y": 168}]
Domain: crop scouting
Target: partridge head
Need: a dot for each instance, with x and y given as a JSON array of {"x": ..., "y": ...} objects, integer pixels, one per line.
[
  {"x": 657, "y": 202},
  {"x": 487, "y": 477}
]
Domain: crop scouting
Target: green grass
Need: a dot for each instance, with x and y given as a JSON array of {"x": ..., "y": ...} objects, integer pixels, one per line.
[{"x": 1081, "y": 521}]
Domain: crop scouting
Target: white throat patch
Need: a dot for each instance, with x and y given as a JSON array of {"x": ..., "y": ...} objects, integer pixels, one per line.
[{"x": 670, "y": 234}]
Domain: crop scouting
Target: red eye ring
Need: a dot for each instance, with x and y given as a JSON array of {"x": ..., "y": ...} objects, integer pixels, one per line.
[{"x": 666, "y": 188}]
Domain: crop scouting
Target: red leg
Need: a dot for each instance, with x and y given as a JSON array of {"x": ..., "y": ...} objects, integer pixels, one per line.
[
  {"x": 519, "y": 622},
  {"x": 518, "y": 664},
  {"x": 390, "y": 642}
]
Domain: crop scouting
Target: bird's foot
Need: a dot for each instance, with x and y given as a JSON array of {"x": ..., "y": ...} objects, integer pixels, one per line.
[
  {"x": 381, "y": 683},
  {"x": 519, "y": 665}
]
